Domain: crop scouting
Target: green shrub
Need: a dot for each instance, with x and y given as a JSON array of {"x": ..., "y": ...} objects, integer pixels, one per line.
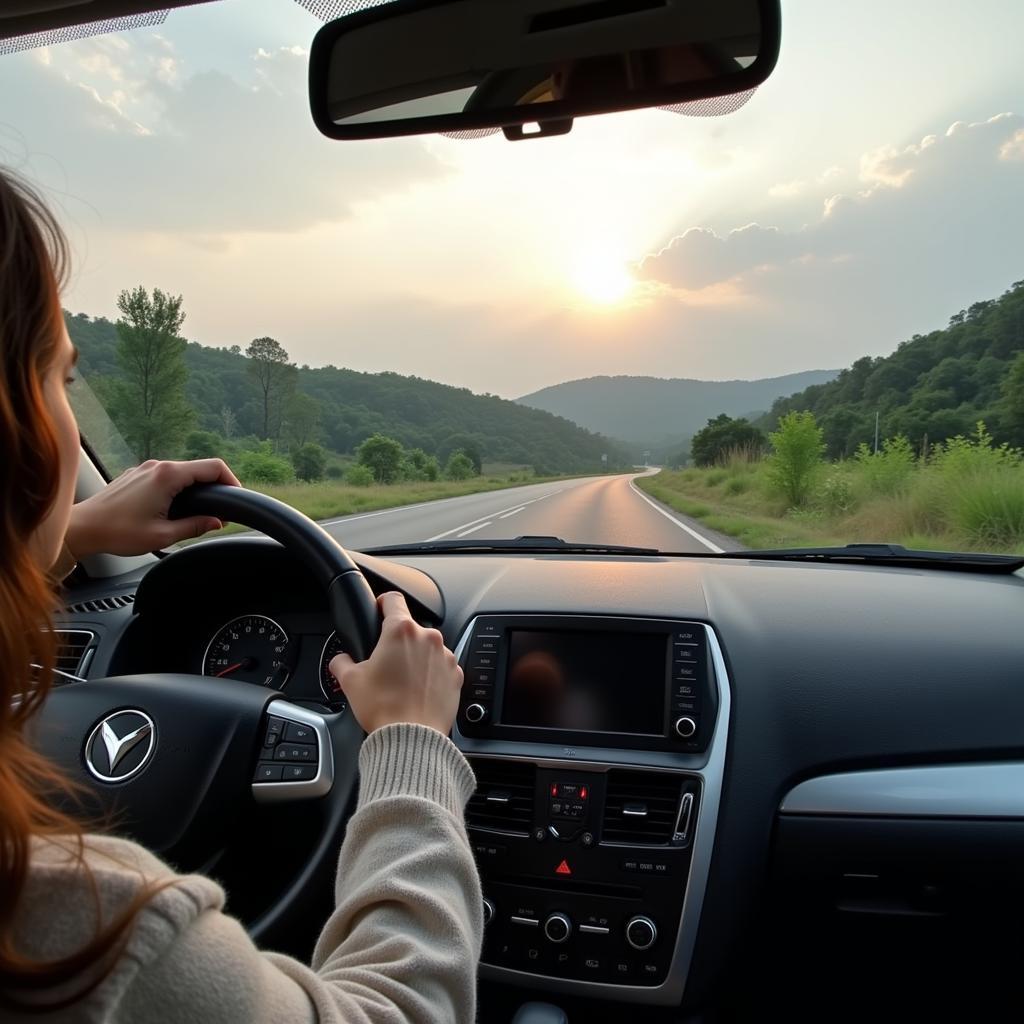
[
  {"x": 989, "y": 509},
  {"x": 204, "y": 444},
  {"x": 310, "y": 461},
  {"x": 263, "y": 467},
  {"x": 737, "y": 485},
  {"x": 961, "y": 457},
  {"x": 459, "y": 466},
  {"x": 887, "y": 471},
  {"x": 713, "y": 477},
  {"x": 359, "y": 475},
  {"x": 335, "y": 471},
  {"x": 418, "y": 465},
  {"x": 383, "y": 456},
  {"x": 836, "y": 495},
  {"x": 798, "y": 446}
]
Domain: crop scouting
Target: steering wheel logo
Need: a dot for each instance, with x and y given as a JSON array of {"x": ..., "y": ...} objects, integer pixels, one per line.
[{"x": 120, "y": 746}]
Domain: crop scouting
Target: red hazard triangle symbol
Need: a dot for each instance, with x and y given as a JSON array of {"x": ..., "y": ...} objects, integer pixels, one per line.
[{"x": 563, "y": 869}]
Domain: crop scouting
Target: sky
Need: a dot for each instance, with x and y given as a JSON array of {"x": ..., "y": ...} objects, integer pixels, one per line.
[{"x": 870, "y": 189}]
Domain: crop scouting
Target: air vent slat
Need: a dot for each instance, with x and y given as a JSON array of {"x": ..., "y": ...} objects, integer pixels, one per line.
[
  {"x": 101, "y": 604},
  {"x": 504, "y": 795},
  {"x": 71, "y": 647},
  {"x": 631, "y": 791}
]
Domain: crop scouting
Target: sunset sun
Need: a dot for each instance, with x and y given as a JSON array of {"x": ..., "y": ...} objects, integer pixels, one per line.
[{"x": 602, "y": 278}]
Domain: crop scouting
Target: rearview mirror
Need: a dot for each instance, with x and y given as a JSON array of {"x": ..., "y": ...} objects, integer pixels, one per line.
[{"x": 416, "y": 66}]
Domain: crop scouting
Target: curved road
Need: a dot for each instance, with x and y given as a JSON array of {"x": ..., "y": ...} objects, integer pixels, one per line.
[{"x": 604, "y": 509}]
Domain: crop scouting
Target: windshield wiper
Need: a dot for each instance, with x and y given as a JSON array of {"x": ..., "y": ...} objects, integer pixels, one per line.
[
  {"x": 888, "y": 554},
  {"x": 519, "y": 545}
]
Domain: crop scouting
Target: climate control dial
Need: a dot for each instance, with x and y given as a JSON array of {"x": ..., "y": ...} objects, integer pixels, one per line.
[
  {"x": 557, "y": 927},
  {"x": 641, "y": 932}
]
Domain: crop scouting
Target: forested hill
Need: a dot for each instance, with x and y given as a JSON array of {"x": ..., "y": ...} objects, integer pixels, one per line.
[
  {"x": 349, "y": 406},
  {"x": 932, "y": 387}
]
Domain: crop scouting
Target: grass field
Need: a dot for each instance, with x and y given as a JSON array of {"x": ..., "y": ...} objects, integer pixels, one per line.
[{"x": 968, "y": 496}]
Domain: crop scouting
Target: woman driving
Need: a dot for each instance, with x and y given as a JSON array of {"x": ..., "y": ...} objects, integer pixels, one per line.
[{"x": 95, "y": 928}]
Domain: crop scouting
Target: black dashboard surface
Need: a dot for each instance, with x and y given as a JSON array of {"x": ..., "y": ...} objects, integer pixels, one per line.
[{"x": 832, "y": 668}]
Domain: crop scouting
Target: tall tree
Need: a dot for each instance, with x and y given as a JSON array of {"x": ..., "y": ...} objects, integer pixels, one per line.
[
  {"x": 302, "y": 419},
  {"x": 275, "y": 376},
  {"x": 150, "y": 407}
]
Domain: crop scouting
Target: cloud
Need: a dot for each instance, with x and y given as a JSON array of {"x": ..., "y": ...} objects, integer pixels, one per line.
[{"x": 152, "y": 147}]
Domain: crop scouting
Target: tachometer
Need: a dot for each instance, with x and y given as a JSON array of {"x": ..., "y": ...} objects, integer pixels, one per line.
[
  {"x": 328, "y": 684},
  {"x": 252, "y": 648}
]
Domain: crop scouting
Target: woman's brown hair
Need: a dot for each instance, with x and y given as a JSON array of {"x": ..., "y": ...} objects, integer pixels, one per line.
[{"x": 33, "y": 265}]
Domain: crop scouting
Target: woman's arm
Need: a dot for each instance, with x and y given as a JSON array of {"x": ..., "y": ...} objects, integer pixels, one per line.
[{"x": 403, "y": 941}]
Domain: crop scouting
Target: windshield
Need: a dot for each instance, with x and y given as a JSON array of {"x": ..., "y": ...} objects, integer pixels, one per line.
[{"x": 800, "y": 323}]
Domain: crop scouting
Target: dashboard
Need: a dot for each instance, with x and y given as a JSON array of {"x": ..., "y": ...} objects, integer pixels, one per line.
[{"x": 692, "y": 774}]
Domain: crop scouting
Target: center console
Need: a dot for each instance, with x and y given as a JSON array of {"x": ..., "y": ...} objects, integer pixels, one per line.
[{"x": 598, "y": 744}]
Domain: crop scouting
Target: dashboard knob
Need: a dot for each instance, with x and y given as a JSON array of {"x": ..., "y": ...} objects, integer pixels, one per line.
[
  {"x": 488, "y": 911},
  {"x": 557, "y": 927},
  {"x": 641, "y": 932},
  {"x": 476, "y": 713},
  {"x": 686, "y": 727}
]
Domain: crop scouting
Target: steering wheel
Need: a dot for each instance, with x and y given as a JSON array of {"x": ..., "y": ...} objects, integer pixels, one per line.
[{"x": 171, "y": 756}]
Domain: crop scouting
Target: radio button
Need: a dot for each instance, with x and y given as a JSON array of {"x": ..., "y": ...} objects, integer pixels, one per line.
[
  {"x": 557, "y": 928},
  {"x": 484, "y": 661},
  {"x": 641, "y": 932},
  {"x": 477, "y": 713},
  {"x": 480, "y": 691},
  {"x": 685, "y": 727},
  {"x": 685, "y": 670},
  {"x": 684, "y": 689},
  {"x": 485, "y": 645}
]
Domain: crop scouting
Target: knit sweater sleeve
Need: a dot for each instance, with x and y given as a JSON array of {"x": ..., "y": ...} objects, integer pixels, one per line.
[{"x": 401, "y": 945}]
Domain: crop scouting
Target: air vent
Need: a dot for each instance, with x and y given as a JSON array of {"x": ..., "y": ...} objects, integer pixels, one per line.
[
  {"x": 640, "y": 807},
  {"x": 503, "y": 801},
  {"x": 101, "y": 604},
  {"x": 71, "y": 647}
]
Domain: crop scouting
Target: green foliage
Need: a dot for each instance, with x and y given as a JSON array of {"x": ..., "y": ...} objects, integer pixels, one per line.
[
  {"x": 469, "y": 446},
  {"x": 309, "y": 461},
  {"x": 932, "y": 387},
  {"x": 275, "y": 378},
  {"x": 989, "y": 508},
  {"x": 301, "y": 419},
  {"x": 796, "y": 458},
  {"x": 888, "y": 470},
  {"x": 965, "y": 457},
  {"x": 148, "y": 401},
  {"x": 459, "y": 466},
  {"x": 383, "y": 456},
  {"x": 418, "y": 465},
  {"x": 262, "y": 466},
  {"x": 359, "y": 475},
  {"x": 204, "y": 444},
  {"x": 836, "y": 494},
  {"x": 722, "y": 434}
]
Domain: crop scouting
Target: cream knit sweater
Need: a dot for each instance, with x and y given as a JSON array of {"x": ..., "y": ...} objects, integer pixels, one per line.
[{"x": 401, "y": 945}]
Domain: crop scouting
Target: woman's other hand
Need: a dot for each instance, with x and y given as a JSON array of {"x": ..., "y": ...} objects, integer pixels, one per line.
[
  {"x": 410, "y": 677},
  {"x": 129, "y": 516}
]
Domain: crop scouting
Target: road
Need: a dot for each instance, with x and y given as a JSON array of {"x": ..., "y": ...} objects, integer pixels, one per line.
[{"x": 604, "y": 509}]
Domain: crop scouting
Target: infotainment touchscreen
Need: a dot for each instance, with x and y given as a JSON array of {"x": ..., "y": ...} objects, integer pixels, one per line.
[{"x": 586, "y": 681}]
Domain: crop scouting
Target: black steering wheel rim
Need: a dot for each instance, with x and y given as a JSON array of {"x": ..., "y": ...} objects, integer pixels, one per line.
[{"x": 210, "y": 734}]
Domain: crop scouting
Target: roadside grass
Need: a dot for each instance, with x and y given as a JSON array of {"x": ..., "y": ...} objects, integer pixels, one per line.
[{"x": 968, "y": 496}]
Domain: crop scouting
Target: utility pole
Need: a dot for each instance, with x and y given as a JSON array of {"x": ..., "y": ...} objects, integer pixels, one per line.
[{"x": 876, "y": 431}]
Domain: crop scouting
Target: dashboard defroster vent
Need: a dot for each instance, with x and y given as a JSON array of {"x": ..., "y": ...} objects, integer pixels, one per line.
[
  {"x": 503, "y": 801},
  {"x": 101, "y": 604},
  {"x": 640, "y": 808}
]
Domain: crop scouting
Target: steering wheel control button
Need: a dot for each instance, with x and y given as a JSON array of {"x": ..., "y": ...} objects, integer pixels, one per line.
[
  {"x": 295, "y": 732},
  {"x": 298, "y": 772},
  {"x": 685, "y": 727},
  {"x": 268, "y": 772},
  {"x": 476, "y": 713},
  {"x": 557, "y": 928},
  {"x": 302, "y": 752},
  {"x": 641, "y": 932}
]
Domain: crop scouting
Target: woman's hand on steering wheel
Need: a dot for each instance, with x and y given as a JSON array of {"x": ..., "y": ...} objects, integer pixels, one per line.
[
  {"x": 129, "y": 516},
  {"x": 410, "y": 677}
]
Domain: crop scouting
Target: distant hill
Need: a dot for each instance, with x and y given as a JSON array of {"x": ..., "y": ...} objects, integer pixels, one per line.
[
  {"x": 352, "y": 406},
  {"x": 655, "y": 411},
  {"x": 932, "y": 387}
]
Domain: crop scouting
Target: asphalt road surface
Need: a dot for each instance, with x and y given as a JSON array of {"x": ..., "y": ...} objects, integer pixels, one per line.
[{"x": 604, "y": 509}]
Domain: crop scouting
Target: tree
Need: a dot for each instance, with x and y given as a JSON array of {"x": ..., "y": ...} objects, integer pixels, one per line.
[
  {"x": 274, "y": 375},
  {"x": 310, "y": 461},
  {"x": 469, "y": 446},
  {"x": 359, "y": 475},
  {"x": 228, "y": 420},
  {"x": 1013, "y": 391},
  {"x": 302, "y": 419},
  {"x": 459, "y": 466},
  {"x": 262, "y": 466},
  {"x": 150, "y": 406},
  {"x": 723, "y": 433},
  {"x": 382, "y": 455},
  {"x": 798, "y": 447},
  {"x": 203, "y": 444},
  {"x": 420, "y": 466}
]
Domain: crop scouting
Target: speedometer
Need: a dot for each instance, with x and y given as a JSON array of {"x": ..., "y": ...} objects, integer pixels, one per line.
[
  {"x": 252, "y": 648},
  {"x": 328, "y": 684}
]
